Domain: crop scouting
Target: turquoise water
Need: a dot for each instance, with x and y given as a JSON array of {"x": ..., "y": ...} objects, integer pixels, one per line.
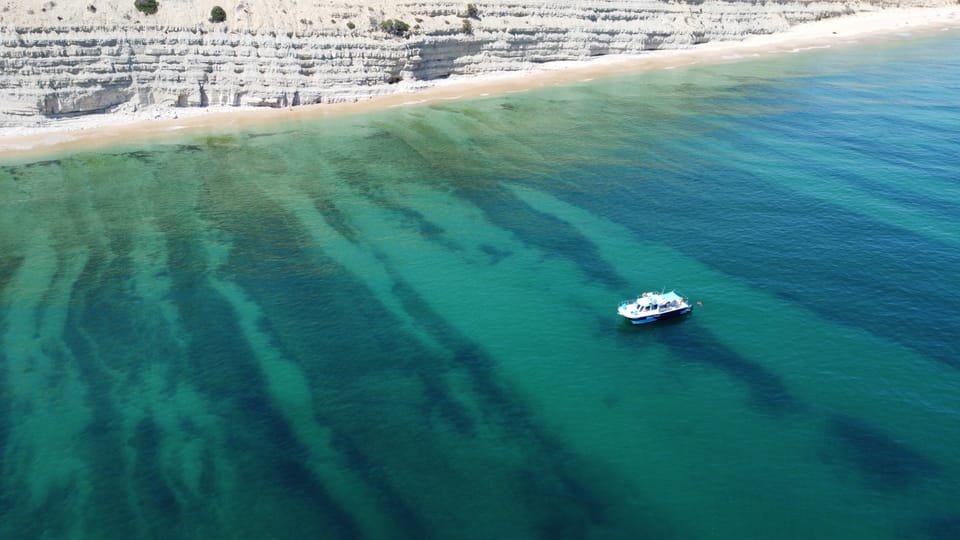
[{"x": 403, "y": 324}]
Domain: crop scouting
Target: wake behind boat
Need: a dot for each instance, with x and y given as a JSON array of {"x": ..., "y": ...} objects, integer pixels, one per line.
[{"x": 651, "y": 306}]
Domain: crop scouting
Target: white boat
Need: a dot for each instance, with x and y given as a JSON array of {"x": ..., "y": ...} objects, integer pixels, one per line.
[{"x": 653, "y": 306}]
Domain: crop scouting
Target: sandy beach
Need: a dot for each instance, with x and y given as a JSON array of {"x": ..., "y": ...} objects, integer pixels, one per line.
[{"x": 92, "y": 131}]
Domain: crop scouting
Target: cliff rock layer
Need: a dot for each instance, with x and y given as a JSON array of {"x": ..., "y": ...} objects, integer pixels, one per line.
[{"x": 83, "y": 58}]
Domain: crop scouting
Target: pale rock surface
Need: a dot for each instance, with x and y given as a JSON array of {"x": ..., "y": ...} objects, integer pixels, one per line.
[{"x": 69, "y": 58}]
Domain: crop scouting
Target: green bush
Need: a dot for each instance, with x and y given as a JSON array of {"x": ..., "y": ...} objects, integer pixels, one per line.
[
  {"x": 217, "y": 14},
  {"x": 466, "y": 27},
  {"x": 395, "y": 27},
  {"x": 146, "y": 6},
  {"x": 350, "y": 25},
  {"x": 472, "y": 11}
]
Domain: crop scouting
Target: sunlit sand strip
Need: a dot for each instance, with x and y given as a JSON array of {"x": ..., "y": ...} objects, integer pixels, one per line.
[
  {"x": 170, "y": 404},
  {"x": 367, "y": 263},
  {"x": 836, "y": 191},
  {"x": 839, "y": 192},
  {"x": 96, "y": 131},
  {"x": 151, "y": 282},
  {"x": 88, "y": 229},
  {"x": 799, "y": 354},
  {"x": 154, "y": 394},
  {"x": 876, "y": 207},
  {"x": 290, "y": 390},
  {"x": 184, "y": 459},
  {"x": 47, "y": 420},
  {"x": 356, "y": 259}
]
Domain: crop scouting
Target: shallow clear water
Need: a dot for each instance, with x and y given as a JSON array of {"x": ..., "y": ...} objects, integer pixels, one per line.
[{"x": 403, "y": 324}]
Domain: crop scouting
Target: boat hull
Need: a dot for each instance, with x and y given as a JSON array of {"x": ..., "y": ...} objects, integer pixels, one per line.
[{"x": 647, "y": 319}]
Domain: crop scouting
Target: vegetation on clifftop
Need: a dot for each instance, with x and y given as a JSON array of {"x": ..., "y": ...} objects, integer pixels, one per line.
[
  {"x": 395, "y": 27},
  {"x": 217, "y": 14},
  {"x": 146, "y": 6}
]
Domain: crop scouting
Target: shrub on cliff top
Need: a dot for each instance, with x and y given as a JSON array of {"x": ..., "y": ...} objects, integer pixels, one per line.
[
  {"x": 395, "y": 27},
  {"x": 217, "y": 14},
  {"x": 146, "y": 6}
]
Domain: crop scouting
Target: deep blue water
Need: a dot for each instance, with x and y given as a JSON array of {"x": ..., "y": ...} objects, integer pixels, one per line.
[{"x": 403, "y": 324}]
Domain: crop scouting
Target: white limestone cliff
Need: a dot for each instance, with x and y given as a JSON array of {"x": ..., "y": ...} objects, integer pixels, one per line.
[{"x": 61, "y": 60}]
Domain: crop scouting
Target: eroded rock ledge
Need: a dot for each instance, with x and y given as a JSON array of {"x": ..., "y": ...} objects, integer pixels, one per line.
[{"x": 129, "y": 61}]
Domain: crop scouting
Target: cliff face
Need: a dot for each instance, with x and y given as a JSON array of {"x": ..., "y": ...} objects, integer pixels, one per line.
[{"x": 266, "y": 55}]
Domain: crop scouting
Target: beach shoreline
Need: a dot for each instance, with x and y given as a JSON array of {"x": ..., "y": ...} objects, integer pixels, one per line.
[{"x": 157, "y": 124}]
